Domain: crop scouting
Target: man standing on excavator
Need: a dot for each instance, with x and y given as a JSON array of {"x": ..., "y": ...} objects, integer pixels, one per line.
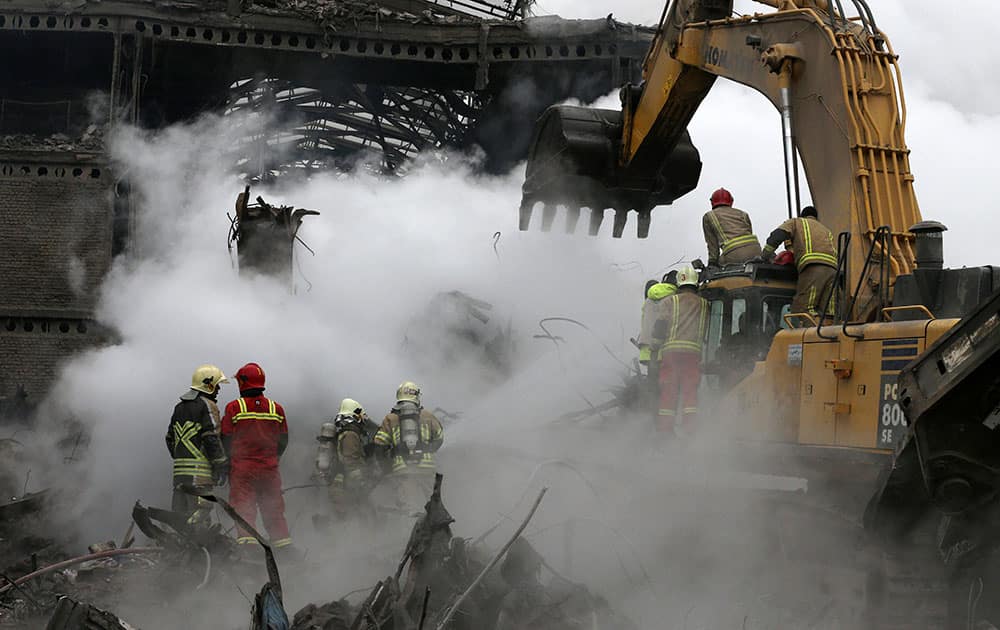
[
  {"x": 728, "y": 230},
  {"x": 656, "y": 292},
  {"x": 816, "y": 259},
  {"x": 193, "y": 442},
  {"x": 255, "y": 434},
  {"x": 679, "y": 332}
]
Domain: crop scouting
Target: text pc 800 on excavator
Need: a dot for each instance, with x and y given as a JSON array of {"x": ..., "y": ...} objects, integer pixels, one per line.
[{"x": 823, "y": 392}]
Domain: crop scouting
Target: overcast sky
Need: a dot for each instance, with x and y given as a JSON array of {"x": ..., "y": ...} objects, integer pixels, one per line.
[
  {"x": 941, "y": 43},
  {"x": 949, "y": 62}
]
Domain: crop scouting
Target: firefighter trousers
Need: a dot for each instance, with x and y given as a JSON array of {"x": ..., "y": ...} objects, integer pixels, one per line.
[
  {"x": 680, "y": 374},
  {"x": 740, "y": 255},
  {"x": 814, "y": 289},
  {"x": 251, "y": 488}
]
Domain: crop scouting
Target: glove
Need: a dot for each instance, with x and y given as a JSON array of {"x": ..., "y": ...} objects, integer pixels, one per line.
[{"x": 220, "y": 475}]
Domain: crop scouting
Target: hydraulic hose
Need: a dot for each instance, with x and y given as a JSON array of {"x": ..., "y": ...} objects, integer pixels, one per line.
[{"x": 72, "y": 561}]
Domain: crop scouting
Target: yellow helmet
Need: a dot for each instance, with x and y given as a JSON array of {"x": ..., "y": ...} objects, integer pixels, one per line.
[
  {"x": 351, "y": 407},
  {"x": 687, "y": 276},
  {"x": 207, "y": 378},
  {"x": 408, "y": 391}
]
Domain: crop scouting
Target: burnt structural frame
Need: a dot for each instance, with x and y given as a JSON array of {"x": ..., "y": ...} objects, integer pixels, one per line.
[{"x": 161, "y": 63}]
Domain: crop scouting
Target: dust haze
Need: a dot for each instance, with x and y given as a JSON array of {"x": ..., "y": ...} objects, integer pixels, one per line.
[{"x": 651, "y": 526}]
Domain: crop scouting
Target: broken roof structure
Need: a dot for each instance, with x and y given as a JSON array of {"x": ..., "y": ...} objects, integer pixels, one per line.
[
  {"x": 338, "y": 82},
  {"x": 339, "y": 76}
]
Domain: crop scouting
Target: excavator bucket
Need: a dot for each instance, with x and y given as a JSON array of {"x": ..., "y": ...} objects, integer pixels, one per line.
[{"x": 573, "y": 162}]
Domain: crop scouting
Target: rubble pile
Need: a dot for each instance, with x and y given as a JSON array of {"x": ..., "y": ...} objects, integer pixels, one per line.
[
  {"x": 36, "y": 570},
  {"x": 90, "y": 141},
  {"x": 444, "y": 583}
]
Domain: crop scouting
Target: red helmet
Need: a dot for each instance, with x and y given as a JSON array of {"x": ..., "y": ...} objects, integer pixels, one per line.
[
  {"x": 722, "y": 197},
  {"x": 785, "y": 258},
  {"x": 250, "y": 376}
]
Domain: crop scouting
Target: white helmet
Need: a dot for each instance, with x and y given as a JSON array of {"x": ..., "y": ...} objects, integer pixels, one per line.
[
  {"x": 408, "y": 391},
  {"x": 351, "y": 409},
  {"x": 687, "y": 276},
  {"x": 207, "y": 378}
]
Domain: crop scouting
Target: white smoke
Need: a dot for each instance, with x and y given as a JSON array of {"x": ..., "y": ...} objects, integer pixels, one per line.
[{"x": 383, "y": 249}]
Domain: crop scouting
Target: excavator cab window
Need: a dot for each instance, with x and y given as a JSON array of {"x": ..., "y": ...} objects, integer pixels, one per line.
[
  {"x": 739, "y": 318},
  {"x": 715, "y": 327},
  {"x": 742, "y": 324},
  {"x": 773, "y": 316}
]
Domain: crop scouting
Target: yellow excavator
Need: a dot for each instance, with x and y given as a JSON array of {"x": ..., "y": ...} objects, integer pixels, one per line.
[{"x": 821, "y": 395}]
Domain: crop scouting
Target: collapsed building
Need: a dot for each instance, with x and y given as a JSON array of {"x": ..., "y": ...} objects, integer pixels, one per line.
[
  {"x": 442, "y": 581},
  {"x": 340, "y": 83}
]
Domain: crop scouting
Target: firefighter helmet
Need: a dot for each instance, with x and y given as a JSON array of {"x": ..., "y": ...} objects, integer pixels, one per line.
[
  {"x": 687, "y": 276},
  {"x": 207, "y": 378},
  {"x": 250, "y": 376},
  {"x": 408, "y": 391},
  {"x": 722, "y": 197},
  {"x": 351, "y": 409}
]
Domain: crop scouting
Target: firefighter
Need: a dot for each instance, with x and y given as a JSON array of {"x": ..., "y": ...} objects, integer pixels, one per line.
[
  {"x": 255, "y": 434},
  {"x": 193, "y": 442},
  {"x": 678, "y": 334},
  {"x": 728, "y": 230},
  {"x": 644, "y": 352},
  {"x": 655, "y": 294},
  {"x": 410, "y": 435},
  {"x": 815, "y": 256},
  {"x": 352, "y": 473}
]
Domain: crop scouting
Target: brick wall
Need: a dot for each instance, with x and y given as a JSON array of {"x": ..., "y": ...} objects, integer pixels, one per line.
[
  {"x": 32, "y": 359},
  {"x": 55, "y": 248}
]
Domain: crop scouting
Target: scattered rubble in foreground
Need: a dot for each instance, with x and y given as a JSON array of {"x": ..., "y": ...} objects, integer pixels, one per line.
[{"x": 442, "y": 581}]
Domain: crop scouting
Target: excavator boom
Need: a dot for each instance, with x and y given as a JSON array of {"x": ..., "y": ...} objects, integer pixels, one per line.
[{"x": 834, "y": 80}]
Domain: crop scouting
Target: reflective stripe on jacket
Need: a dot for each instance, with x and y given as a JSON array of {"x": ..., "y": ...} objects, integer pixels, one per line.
[
  {"x": 812, "y": 242},
  {"x": 652, "y": 310},
  {"x": 255, "y": 431},
  {"x": 431, "y": 437},
  {"x": 245, "y": 414},
  {"x": 193, "y": 439},
  {"x": 682, "y": 324},
  {"x": 726, "y": 228}
]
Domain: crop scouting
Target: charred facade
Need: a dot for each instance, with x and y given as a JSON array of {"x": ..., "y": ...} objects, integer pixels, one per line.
[{"x": 338, "y": 81}]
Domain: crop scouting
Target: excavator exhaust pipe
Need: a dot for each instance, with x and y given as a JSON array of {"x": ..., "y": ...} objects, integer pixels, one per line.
[{"x": 573, "y": 163}]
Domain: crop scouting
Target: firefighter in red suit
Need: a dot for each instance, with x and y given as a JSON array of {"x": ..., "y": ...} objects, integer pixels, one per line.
[{"x": 255, "y": 434}]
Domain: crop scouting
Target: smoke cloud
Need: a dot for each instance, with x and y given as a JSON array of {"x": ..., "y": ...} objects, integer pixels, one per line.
[{"x": 384, "y": 250}]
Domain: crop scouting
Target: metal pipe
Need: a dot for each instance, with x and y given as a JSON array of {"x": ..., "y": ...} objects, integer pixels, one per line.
[
  {"x": 788, "y": 137},
  {"x": 68, "y": 563}
]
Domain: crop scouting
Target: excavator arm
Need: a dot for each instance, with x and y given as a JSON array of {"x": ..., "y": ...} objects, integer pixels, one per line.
[{"x": 835, "y": 82}]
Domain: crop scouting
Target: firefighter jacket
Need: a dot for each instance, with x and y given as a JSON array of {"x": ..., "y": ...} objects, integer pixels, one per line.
[
  {"x": 255, "y": 431},
  {"x": 728, "y": 229},
  {"x": 651, "y": 310},
  {"x": 682, "y": 322},
  {"x": 430, "y": 436},
  {"x": 193, "y": 439},
  {"x": 353, "y": 470},
  {"x": 812, "y": 242}
]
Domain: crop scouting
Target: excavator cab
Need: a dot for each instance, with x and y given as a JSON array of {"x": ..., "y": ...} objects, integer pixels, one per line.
[{"x": 747, "y": 306}]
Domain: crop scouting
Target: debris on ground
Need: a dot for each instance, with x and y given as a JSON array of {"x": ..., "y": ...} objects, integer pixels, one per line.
[
  {"x": 73, "y": 615},
  {"x": 441, "y": 583},
  {"x": 90, "y": 140}
]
